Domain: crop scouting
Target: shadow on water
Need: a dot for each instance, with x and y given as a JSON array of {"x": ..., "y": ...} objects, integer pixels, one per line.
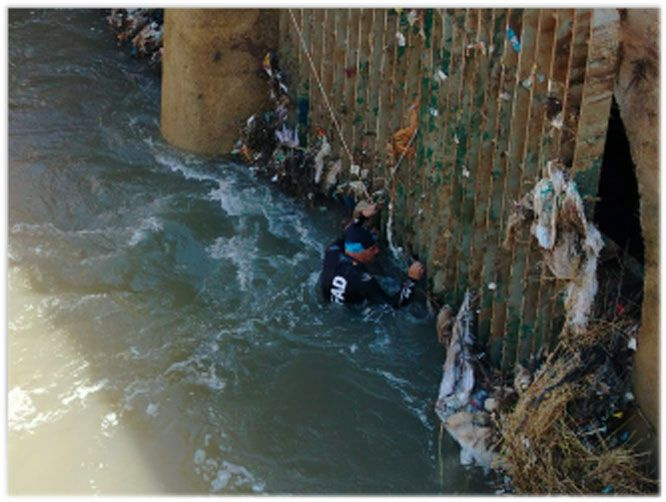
[{"x": 166, "y": 334}]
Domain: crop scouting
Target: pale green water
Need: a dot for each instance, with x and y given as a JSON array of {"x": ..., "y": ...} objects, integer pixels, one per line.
[{"x": 165, "y": 330}]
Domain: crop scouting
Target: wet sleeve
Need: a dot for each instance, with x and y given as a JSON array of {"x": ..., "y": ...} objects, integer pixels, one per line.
[{"x": 375, "y": 293}]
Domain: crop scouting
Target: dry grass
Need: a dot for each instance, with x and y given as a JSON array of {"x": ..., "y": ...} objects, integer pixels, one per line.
[{"x": 542, "y": 448}]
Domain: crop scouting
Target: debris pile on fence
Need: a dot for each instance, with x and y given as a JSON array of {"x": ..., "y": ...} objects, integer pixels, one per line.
[
  {"x": 275, "y": 148},
  {"x": 570, "y": 244},
  {"x": 464, "y": 416},
  {"x": 561, "y": 429},
  {"x": 565, "y": 435},
  {"x": 142, "y": 30}
]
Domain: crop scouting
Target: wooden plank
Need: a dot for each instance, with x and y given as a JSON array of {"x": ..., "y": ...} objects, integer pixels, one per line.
[
  {"x": 392, "y": 119},
  {"x": 548, "y": 291},
  {"x": 452, "y": 141},
  {"x": 305, "y": 80},
  {"x": 437, "y": 188},
  {"x": 353, "y": 118},
  {"x": 404, "y": 86},
  {"x": 468, "y": 266},
  {"x": 452, "y": 66},
  {"x": 461, "y": 137},
  {"x": 573, "y": 87},
  {"x": 489, "y": 180},
  {"x": 416, "y": 215},
  {"x": 370, "y": 63},
  {"x": 317, "y": 101},
  {"x": 498, "y": 210},
  {"x": 513, "y": 280},
  {"x": 328, "y": 70},
  {"x": 530, "y": 253},
  {"x": 336, "y": 96},
  {"x": 387, "y": 55},
  {"x": 430, "y": 134}
]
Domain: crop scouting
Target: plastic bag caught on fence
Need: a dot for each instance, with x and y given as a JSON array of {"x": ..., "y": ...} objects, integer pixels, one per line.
[
  {"x": 463, "y": 417},
  {"x": 570, "y": 243}
]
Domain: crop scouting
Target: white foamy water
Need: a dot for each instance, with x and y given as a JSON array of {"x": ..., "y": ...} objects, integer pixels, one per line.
[
  {"x": 224, "y": 475},
  {"x": 198, "y": 371},
  {"x": 166, "y": 332},
  {"x": 81, "y": 392},
  {"x": 241, "y": 252},
  {"x": 148, "y": 226}
]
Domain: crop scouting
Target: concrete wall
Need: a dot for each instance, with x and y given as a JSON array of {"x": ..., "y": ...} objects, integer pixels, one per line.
[
  {"x": 211, "y": 74},
  {"x": 637, "y": 94}
]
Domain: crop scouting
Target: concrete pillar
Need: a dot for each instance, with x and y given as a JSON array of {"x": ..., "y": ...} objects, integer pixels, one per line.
[
  {"x": 637, "y": 94},
  {"x": 211, "y": 74}
]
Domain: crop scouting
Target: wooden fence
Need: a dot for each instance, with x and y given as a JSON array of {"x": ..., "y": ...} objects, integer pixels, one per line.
[{"x": 498, "y": 94}]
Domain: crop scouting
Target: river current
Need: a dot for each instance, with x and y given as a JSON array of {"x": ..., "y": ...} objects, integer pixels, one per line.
[{"x": 165, "y": 329}]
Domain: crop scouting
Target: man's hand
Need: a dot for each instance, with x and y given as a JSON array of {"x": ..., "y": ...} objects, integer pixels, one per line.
[{"x": 416, "y": 271}]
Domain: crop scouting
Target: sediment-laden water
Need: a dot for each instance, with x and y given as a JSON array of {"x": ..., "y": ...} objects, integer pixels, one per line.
[{"x": 165, "y": 331}]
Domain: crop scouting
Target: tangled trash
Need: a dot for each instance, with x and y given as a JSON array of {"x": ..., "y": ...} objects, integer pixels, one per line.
[
  {"x": 400, "y": 144},
  {"x": 561, "y": 426},
  {"x": 570, "y": 243},
  {"x": 566, "y": 433},
  {"x": 559, "y": 430},
  {"x": 462, "y": 414},
  {"x": 271, "y": 143},
  {"x": 142, "y": 30}
]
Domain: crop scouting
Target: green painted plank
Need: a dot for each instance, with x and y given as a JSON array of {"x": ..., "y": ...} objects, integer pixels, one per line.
[
  {"x": 551, "y": 150},
  {"x": 513, "y": 275},
  {"x": 423, "y": 201},
  {"x": 338, "y": 53},
  {"x": 486, "y": 244},
  {"x": 431, "y": 139},
  {"x": 441, "y": 204},
  {"x": 349, "y": 89},
  {"x": 375, "y": 54},
  {"x": 500, "y": 173},
  {"x": 451, "y": 149},
  {"x": 529, "y": 343},
  {"x": 469, "y": 267}
]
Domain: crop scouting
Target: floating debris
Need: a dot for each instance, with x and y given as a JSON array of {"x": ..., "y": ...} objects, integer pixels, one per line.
[{"x": 401, "y": 39}]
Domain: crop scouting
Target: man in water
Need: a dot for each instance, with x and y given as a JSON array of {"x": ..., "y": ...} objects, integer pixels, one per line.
[{"x": 345, "y": 278}]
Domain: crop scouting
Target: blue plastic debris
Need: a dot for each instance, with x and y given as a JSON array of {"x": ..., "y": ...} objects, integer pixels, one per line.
[
  {"x": 624, "y": 436},
  {"x": 607, "y": 489},
  {"x": 513, "y": 38}
]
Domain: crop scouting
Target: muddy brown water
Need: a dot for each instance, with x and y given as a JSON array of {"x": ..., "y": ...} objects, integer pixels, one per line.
[{"x": 165, "y": 332}]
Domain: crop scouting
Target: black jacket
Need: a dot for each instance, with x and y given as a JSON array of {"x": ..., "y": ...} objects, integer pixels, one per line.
[{"x": 344, "y": 280}]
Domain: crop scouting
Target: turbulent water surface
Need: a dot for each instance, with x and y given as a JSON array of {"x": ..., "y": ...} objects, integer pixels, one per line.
[{"x": 165, "y": 330}]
